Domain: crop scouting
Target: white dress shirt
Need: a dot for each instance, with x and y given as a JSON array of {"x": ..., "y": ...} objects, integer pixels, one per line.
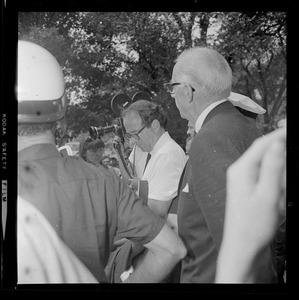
[
  {"x": 138, "y": 158},
  {"x": 164, "y": 169}
]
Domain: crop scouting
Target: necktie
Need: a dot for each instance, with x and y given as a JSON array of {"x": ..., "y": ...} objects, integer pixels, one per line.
[{"x": 147, "y": 160}]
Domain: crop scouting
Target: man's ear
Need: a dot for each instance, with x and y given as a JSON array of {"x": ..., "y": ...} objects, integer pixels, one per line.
[
  {"x": 188, "y": 92},
  {"x": 155, "y": 125}
]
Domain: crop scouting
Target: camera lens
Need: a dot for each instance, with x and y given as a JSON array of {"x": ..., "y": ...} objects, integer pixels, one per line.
[{"x": 93, "y": 132}]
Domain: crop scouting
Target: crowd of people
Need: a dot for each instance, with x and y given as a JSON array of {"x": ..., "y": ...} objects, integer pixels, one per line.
[
  {"x": 175, "y": 218},
  {"x": 86, "y": 205}
]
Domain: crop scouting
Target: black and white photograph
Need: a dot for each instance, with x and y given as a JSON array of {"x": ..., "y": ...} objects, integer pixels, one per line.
[{"x": 148, "y": 149}]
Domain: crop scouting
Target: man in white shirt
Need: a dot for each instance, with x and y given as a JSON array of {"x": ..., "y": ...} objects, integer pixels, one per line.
[
  {"x": 161, "y": 166},
  {"x": 145, "y": 124}
]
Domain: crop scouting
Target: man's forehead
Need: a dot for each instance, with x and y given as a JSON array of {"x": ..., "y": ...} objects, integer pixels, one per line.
[{"x": 132, "y": 118}]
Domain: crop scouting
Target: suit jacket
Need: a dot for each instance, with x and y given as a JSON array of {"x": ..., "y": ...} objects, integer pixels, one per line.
[{"x": 223, "y": 138}]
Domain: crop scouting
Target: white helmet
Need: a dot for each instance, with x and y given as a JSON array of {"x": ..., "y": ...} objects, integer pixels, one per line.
[{"x": 40, "y": 85}]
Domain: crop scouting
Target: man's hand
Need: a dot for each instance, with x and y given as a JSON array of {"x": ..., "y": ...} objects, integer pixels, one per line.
[
  {"x": 133, "y": 183},
  {"x": 124, "y": 169}
]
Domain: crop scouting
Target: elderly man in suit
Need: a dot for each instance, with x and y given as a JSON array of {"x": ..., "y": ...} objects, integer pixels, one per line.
[{"x": 201, "y": 84}]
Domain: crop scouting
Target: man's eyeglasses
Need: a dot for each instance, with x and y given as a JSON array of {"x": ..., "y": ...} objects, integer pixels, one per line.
[
  {"x": 134, "y": 135},
  {"x": 170, "y": 87}
]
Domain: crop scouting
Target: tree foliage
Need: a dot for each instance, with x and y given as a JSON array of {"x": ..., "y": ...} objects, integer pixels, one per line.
[
  {"x": 255, "y": 44},
  {"x": 105, "y": 53}
]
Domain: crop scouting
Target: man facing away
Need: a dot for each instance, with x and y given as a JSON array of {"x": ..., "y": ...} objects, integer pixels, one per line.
[
  {"x": 201, "y": 84},
  {"x": 86, "y": 205}
]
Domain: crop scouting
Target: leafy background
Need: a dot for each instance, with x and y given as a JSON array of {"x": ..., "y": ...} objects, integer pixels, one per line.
[{"x": 106, "y": 53}]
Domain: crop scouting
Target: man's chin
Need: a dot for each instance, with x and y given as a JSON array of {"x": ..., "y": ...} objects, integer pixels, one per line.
[{"x": 142, "y": 149}]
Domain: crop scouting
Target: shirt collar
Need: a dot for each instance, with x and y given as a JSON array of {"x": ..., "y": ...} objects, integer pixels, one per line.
[
  {"x": 202, "y": 116},
  {"x": 159, "y": 142}
]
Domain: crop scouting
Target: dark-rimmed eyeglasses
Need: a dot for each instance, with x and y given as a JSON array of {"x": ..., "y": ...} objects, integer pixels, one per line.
[
  {"x": 134, "y": 135},
  {"x": 170, "y": 87}
]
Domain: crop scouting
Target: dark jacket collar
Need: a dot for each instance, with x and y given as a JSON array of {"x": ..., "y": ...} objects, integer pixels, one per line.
[{"x": 225, "y": 106}]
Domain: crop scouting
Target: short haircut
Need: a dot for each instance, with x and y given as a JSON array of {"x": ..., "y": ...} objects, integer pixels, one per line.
[
  {"x": 206, "y": 70},
  {"x": 95, "y": 145},
  {"x": 148, "y": 111}
]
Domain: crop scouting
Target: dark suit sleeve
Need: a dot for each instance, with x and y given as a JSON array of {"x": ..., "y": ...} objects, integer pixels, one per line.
[{"x": 213, "y": 154}]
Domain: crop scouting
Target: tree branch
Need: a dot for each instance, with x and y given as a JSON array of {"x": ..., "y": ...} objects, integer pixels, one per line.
[
  {"x": 270, "y": 62},
  {"x": 279, "y": 98},
  {"x": 186, "y": 33}
]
